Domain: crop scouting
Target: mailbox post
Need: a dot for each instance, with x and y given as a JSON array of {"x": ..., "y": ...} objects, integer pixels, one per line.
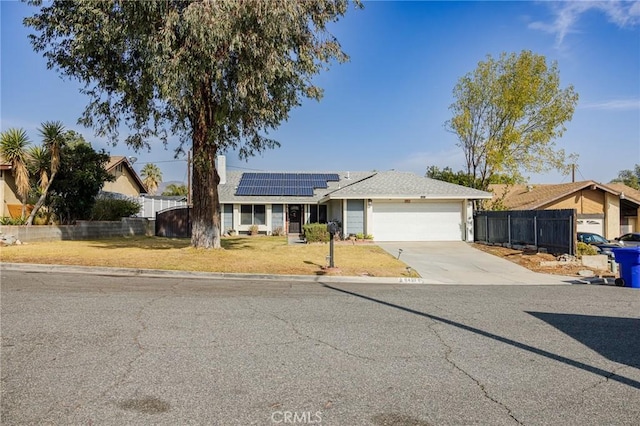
[{"x": 332, "y": 228}]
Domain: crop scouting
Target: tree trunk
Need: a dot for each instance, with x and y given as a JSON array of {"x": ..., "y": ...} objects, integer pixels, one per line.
[
  {"x": 40, "y": 202},
  {"x": 205, "y": 217}
]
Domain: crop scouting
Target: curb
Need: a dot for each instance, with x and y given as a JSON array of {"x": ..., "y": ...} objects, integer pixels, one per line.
[
  {"x": 157, "y": 273},
  {"x": 160, "y": 273},
  {"x": 597, "y": 281}
]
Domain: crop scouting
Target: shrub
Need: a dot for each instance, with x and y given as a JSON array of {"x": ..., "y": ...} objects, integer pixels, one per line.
[
  {"x": 584, "y": 249},
  {"x": 278, "y": 231},
  {"x": 360, "y": 236},
  {"x": 253, "y": 230},
  {"x": 6, "y": 220},
  {"x": 316, "y": 232},
  {"x": 368, "y": 237},
  {"x": 108, "y": 208}
]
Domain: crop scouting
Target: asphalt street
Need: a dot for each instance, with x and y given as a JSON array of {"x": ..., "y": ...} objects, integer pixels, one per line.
[{"x": 114, "y": 350}]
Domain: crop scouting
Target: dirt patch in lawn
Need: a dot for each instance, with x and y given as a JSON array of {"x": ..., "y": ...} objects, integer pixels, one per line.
[{"x": 534, "y": 261}]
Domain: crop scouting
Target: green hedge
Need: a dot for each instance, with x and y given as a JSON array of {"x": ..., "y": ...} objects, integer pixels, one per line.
[
  {"x": 316, "y": 232},
  {"x": 107, "y": 208}
]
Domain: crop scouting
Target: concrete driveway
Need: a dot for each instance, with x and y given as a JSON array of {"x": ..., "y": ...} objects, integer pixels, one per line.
[{"x": 458, "y": 262}]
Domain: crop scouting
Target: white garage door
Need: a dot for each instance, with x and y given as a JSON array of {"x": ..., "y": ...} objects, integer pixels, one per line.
[
  {"x": 595, "y": 226},
  {"x": 417, "y": 221}
]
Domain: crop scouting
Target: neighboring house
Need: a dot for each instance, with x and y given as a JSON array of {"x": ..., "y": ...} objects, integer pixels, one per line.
[
  {"x": 390, "y": 205},
  {"x": 11, "y": 203},
  {"x": 127, "y": 181},
  {"x": 608, "y": 209}
]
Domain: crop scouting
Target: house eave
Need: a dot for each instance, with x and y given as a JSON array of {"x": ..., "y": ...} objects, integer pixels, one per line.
[{"x": 405, "y": 197}]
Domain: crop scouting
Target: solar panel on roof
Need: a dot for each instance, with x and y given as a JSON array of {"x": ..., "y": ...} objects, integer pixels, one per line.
[{"x": 283, "y": 184}]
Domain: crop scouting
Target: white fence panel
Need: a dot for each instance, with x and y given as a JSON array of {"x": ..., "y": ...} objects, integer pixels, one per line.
[{"x": 150, "y": 206}]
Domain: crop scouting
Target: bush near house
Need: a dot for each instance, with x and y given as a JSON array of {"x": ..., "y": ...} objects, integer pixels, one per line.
[
  {"x": 107, "y": 208},
  {"x": 316, "y": 232},
  {"x": 584, "y": 249}
]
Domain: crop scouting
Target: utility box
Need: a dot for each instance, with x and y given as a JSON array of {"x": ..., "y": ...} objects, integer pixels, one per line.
[{"x": 629, "y": 260}]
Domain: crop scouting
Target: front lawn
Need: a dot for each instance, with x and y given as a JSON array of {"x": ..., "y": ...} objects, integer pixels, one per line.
[{"x": 254, "y": 255}]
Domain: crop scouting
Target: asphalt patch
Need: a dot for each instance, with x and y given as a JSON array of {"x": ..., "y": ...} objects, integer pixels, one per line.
[{"x": 147, "y": 405}]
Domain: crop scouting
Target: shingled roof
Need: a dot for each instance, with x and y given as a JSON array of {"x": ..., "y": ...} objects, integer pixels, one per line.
[
  {"x": 626, "y": 192},
  {"x": 115, "y": 160},
  {"x": 394, "y": 184},
  {"x": 358, "y": 185},
  {"x": 532, "y": 197},
  {"x": 227, "y": 191}
]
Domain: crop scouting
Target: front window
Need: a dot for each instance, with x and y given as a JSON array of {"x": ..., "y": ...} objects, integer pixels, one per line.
[
  {"x": 246, "y": 213},
  {"x": 318, "y": 214},
  {"x": 253, "y": 214},
  {"x": 259, "y": 215}
]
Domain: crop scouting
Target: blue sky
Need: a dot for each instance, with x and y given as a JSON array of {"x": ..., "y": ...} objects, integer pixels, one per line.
[{"x": 386, "y": 108}]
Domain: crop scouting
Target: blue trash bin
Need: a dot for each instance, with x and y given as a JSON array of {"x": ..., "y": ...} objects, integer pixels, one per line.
[{"x": 629, "y": 260}]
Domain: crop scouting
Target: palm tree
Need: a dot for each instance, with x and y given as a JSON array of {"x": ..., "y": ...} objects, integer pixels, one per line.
[
  {"x": 151, "y": 177},
  {"x": 13, "y": 147},
  {"x": 174, "y": 189},
  {"x": 40, "y": 163},
  {"x": 53, "y": 138}
]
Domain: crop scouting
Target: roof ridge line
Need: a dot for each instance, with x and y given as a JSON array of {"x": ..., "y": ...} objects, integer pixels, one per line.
[{"x": 352, "y": 183}]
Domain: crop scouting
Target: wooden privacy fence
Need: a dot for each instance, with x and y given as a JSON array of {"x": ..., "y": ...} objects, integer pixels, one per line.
[
  {"x": 553, "y": 230},
  {"x": 174, "y": 222}
]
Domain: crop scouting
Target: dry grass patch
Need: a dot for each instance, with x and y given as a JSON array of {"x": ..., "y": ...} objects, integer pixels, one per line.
[{"x": 256, "y": 255}]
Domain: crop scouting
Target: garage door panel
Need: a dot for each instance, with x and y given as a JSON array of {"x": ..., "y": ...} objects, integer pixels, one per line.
[
  {"x": 595, "y": 226},
  {"x": 422, "y": 221}
]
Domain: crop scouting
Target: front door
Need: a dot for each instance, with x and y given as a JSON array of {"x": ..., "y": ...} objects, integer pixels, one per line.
[{"x": 294, "y": 214}]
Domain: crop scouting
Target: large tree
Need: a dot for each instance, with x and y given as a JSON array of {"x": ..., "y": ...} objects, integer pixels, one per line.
[
  {"x": 508, "y": 113},
  {"x": 463, "y": 178},
  {"x": 81, "y": 175},
  {"x": 629, "y": 177},
  {"x": 220, "y": 74}
]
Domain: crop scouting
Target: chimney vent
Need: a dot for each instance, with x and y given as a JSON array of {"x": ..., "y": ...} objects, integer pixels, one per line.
[{"x": 222, "y": 168}]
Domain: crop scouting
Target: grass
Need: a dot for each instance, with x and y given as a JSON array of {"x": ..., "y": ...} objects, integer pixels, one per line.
[{"x": 254, "y": 255}]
